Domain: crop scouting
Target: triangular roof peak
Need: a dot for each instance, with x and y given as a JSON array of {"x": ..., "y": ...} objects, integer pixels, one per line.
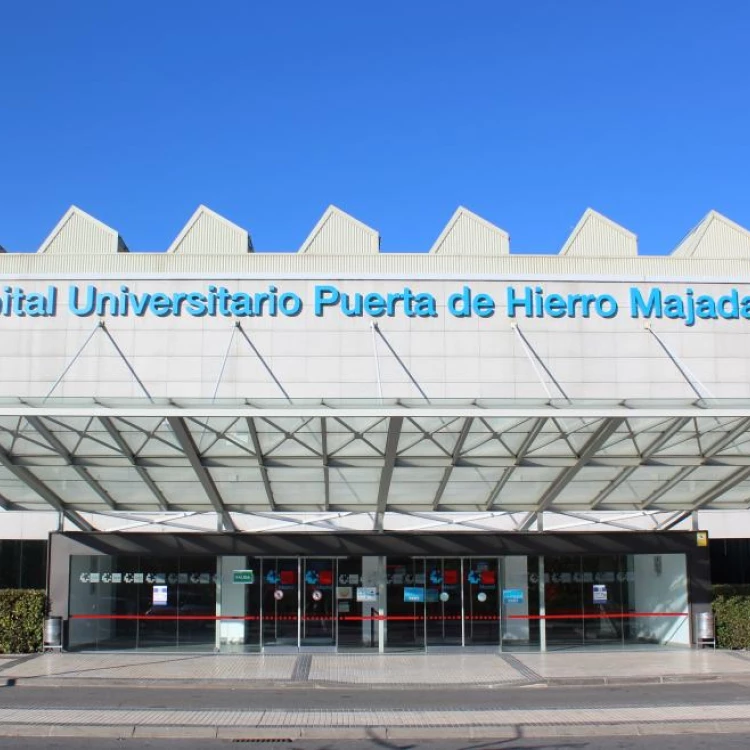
[
  {"x": 207, "y": 233},
  {"x": 597, "y": 236},
  {"x": 79, "y": 232},
  {"x": 715, "y": 236},
  {"x": 469, "y": 234},
  {"x": 338, "y": 233}
]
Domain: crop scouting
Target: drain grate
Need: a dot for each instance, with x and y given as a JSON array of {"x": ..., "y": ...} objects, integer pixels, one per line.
[{"x": 264, "y": 739}]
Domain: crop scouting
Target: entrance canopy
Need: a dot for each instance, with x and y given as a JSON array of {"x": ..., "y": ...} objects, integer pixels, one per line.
[{"x": 377, "y": 459}]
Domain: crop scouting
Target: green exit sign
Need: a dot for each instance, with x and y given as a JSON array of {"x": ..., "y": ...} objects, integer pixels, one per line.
[{"x": 243, "y": 576}]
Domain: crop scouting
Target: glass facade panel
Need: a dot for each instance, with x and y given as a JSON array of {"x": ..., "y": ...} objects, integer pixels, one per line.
[
  {"x": 405, "y": 586},
  {"x": 239, "y": 603},
  {"x": 443, "y": 601},
  {"x": 23, "y": 564},
  {"x": 142, "y": 602},
  {"x": 482, "y": 601},
  {"x": 357, "y": 619},
  {"x": 280, "y": 601},
  {"x": 318, "y": 602}
]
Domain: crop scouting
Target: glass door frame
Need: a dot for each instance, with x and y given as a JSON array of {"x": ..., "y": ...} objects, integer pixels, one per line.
[
  {"x": 301, "y": 561},
  {"x": 464, "y": 566}
]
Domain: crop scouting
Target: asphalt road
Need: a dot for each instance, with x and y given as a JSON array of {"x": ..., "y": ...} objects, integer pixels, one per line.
[{"x": 304, "y": 696}]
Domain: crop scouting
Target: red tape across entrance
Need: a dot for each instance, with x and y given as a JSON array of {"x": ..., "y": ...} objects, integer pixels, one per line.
[{"x": 386, "y": 618}]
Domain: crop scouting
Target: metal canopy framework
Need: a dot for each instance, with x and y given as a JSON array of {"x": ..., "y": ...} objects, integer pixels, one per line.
[{"x": 326, "y": 459}]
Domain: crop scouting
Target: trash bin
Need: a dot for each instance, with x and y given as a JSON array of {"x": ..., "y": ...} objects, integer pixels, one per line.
[
  {"x": 52, "y": 634},
  {"x": 704, "y": 628}
]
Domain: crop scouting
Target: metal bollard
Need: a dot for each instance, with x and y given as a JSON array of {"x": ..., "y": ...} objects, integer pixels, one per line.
[
  {"x": 705, "y": 631},
  {"x": 52, "y": 634}
]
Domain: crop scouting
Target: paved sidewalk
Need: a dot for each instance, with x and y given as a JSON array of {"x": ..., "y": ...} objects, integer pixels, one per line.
[
  {"x": 374, "y": 671},
  {"x": 378, "y": 670}
]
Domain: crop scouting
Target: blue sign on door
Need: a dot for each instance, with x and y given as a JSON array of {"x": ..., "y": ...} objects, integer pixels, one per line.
[
  {"x": 512, "y": 596},
  {"x": 413, "y": 594}
]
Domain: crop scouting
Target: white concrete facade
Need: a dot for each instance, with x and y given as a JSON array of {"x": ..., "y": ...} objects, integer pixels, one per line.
[{"x": 443, "y": 355}]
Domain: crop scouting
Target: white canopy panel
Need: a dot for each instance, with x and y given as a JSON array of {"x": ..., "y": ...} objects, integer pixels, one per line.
[{"x": 371, "y": 458}]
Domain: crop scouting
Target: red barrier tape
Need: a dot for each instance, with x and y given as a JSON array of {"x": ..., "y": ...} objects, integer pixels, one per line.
[{"x": 385, "y": 618}]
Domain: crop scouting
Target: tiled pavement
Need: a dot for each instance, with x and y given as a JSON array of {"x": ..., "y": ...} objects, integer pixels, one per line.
[
  {"x": 365, "y": 718},
  {"x": 383, "y": 670},
  {"x": 389, "y": 670}
]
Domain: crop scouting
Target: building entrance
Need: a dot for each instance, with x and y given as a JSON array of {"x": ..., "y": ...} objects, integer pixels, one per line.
[
  {"x": 443, "y": 601},
  {"x": 237, "y": 603}
]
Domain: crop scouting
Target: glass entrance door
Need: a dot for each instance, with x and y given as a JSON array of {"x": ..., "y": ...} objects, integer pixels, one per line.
[
  {"x": 280, "y": 601},
  {"x": 318, "y": 602},
  {"x": 443, "y": 602},
  {"x": 482, "y": 601},
  {"x": 405, "y": 587}
]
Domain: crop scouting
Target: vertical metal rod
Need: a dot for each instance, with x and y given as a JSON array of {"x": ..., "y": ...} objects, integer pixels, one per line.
[
  {"x": 239, "y": 327},
  {"x": 542, "y": 608},
  {"x": 125, "y": 360},
  {"x": 335, "y": 604},
  {"x": 299, "y": 603},
  {"x": 536, "y": 361},
  {"x": 224, "y": 363},
  {"x": 219, "y": 589},
  {"x": 377, "y": 330},
  {"x": 382, "y": 597},
  {"x": 72, "y": 362},
  {"x": 500, "y": 587},
  {"x": 260, "y": 593},
  {"x": 424, "y": 601},
  {"x": 377, "y": 361},
  {"x": 687, "y": 375},
  {"x": 463, "y": 611}
]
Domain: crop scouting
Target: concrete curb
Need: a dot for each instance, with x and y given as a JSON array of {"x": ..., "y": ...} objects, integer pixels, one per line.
[
  {"x": 323, "y": 685},
  {"x": 269, "y": 734}
]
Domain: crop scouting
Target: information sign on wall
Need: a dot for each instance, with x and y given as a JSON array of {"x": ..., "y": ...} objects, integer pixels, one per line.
[
  {"x": 367, "y": 594},
  {"x": 159, "y": 596},
  {"x": 600, "y": 593},
  {"x": 243, "y": 576}
]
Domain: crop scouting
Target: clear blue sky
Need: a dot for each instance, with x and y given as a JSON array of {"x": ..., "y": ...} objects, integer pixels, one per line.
[{"x": 525, "y": 112}]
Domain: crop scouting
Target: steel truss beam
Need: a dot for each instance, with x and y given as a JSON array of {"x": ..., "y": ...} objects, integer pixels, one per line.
[
  {"x": 654, "y": 447},
  {"x": 386, "y": 474},
  {"x": 49, "y": 496},
  {"x": 121, "y": 443},
  {"x": 261, "y": 462},
  {"x": 70, "y": 460},
  {"x": 326, "y": 441},
  {"x": 465, "y": 430},
  {"x": 326, "y": 468},
  {"x": 185, "y": 439},
  {"x": 709, "y": 496},
  {"x": 522, "y": 452},
  {"x": 594, "y": 443}
]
